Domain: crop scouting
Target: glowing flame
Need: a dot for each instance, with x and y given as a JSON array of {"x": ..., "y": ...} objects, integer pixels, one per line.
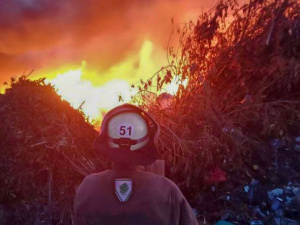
[
  {"x": 97, "y": 94},
  {"x": 93, "y": 100},
  {"x": 172, "y": 87},
  {"x": 78, "y": 85}
]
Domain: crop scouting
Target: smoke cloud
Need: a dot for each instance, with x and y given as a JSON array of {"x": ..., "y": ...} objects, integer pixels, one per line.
[{"x": 49, "y": 34}]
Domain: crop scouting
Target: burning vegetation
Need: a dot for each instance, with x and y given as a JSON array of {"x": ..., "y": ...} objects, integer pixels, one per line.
[
  {"x": 234, "y": 120},
  {"x": 238, "y": 117}
]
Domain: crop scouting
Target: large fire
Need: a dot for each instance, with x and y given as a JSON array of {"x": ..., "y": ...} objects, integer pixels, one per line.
[
  {"x": 121, "y": 45},
  {"x": 92, "y": 100},
  {"x": 81, "y": 87},
  {"x": 77, "y": 85}
]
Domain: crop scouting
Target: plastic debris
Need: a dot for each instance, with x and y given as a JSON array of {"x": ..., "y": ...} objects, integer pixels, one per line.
[
  {"x": 275, "y": 205},
  {"x": 279, "y": 199},
  {"x": 258, "y": 211},
  {"x": 246, "y": 189},
  {"x": 297, "y": 145},
  {"x": 276, "y": 192},
  {"x": 252, "y": 189},
  {"x": 228, "y": 198},
  {"x": 196, "y": 212},
  {"x": 276, "y": 143},
  {"x": 273, "y": 196},
  {"x": 285, "y": 221},
  {"x": 256, "y": 222},
  {"x": 216, "y": 176},
  {"x": 296, "y": 190}
]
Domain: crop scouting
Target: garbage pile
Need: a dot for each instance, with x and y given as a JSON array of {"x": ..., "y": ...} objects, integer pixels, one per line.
[
  {"x": 273, "y": 199},
  {"x": 45, "y": 151},
  {"x": 258, "y": 204},
  {"x": 235, "y": 118}
]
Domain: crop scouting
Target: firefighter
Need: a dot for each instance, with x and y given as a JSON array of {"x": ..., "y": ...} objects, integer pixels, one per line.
[{"x": 127, "y": 195}]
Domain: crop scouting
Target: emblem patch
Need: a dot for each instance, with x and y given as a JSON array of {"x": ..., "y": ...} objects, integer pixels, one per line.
[{"x": 123, "y": 188}]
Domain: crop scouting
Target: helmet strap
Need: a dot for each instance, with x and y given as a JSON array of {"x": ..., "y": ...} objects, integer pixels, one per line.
[{"x": 126, "y": 143}]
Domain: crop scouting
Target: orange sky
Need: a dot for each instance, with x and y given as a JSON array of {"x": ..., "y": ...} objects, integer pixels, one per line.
[
  {"x": 110, "y": 36},
  {"x": 47, "y": 34}
]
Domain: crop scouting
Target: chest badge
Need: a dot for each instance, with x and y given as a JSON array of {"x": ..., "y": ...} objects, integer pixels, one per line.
[{"x": 123, "y": 188}]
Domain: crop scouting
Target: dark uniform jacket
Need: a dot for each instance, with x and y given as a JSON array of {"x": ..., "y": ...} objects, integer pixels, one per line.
[{"x": 154, "y": 200}]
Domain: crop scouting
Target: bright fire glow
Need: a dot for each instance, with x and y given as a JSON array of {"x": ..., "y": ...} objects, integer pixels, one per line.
[
  {"x": 79, "y": 87},
  {"x": 172, "y": 87},
  {"x": 94, "y": 100},
  {"x": 85, "y": 88}
]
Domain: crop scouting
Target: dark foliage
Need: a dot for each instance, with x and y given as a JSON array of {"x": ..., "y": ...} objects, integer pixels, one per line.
[
  {"x": 242, "y": 68},
  {"x": 45, "y": 151}
]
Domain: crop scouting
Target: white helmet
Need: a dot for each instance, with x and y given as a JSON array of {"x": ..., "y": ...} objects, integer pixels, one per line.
[
  {"x": 128, "y": 130},
  {"x": 128, "y": 134}
]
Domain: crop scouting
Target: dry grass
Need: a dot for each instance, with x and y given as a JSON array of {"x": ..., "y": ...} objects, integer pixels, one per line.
[{"x": 242, "y": 64}]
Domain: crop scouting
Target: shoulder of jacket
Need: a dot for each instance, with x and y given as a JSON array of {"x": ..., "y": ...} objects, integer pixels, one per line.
[
  {"x": 161, "y": 180},
  {"x": 90, "y": 181},
  {"x": 94, "y": 176},
  {"x": 174, "y": 189}
]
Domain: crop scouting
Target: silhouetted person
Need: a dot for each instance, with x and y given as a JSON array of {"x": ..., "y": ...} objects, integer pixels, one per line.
[{"x": 127, "y": 195}]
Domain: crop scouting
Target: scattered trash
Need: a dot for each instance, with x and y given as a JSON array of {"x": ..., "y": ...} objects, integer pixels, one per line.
[
  {"x": 297, "y": 144},
  {"x": 196, "y": 212},
  {"x": 276, "y": 143},
  {"x": 246, "y": 189},
  {"x": 276, "y": 192},
  {"x": 253, "y": 187},
  {"x": 258, "y": 212},
  {"x": 228, "y": 198},
  {"x": 216, "y": 176},
  {"x": 285, "y": 221},
  {"x": 256, "y": 222},
  {"x": 296, "y": 190}
]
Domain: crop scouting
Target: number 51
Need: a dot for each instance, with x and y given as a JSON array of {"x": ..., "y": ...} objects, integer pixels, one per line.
[{"x": 123, "y": 130}]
